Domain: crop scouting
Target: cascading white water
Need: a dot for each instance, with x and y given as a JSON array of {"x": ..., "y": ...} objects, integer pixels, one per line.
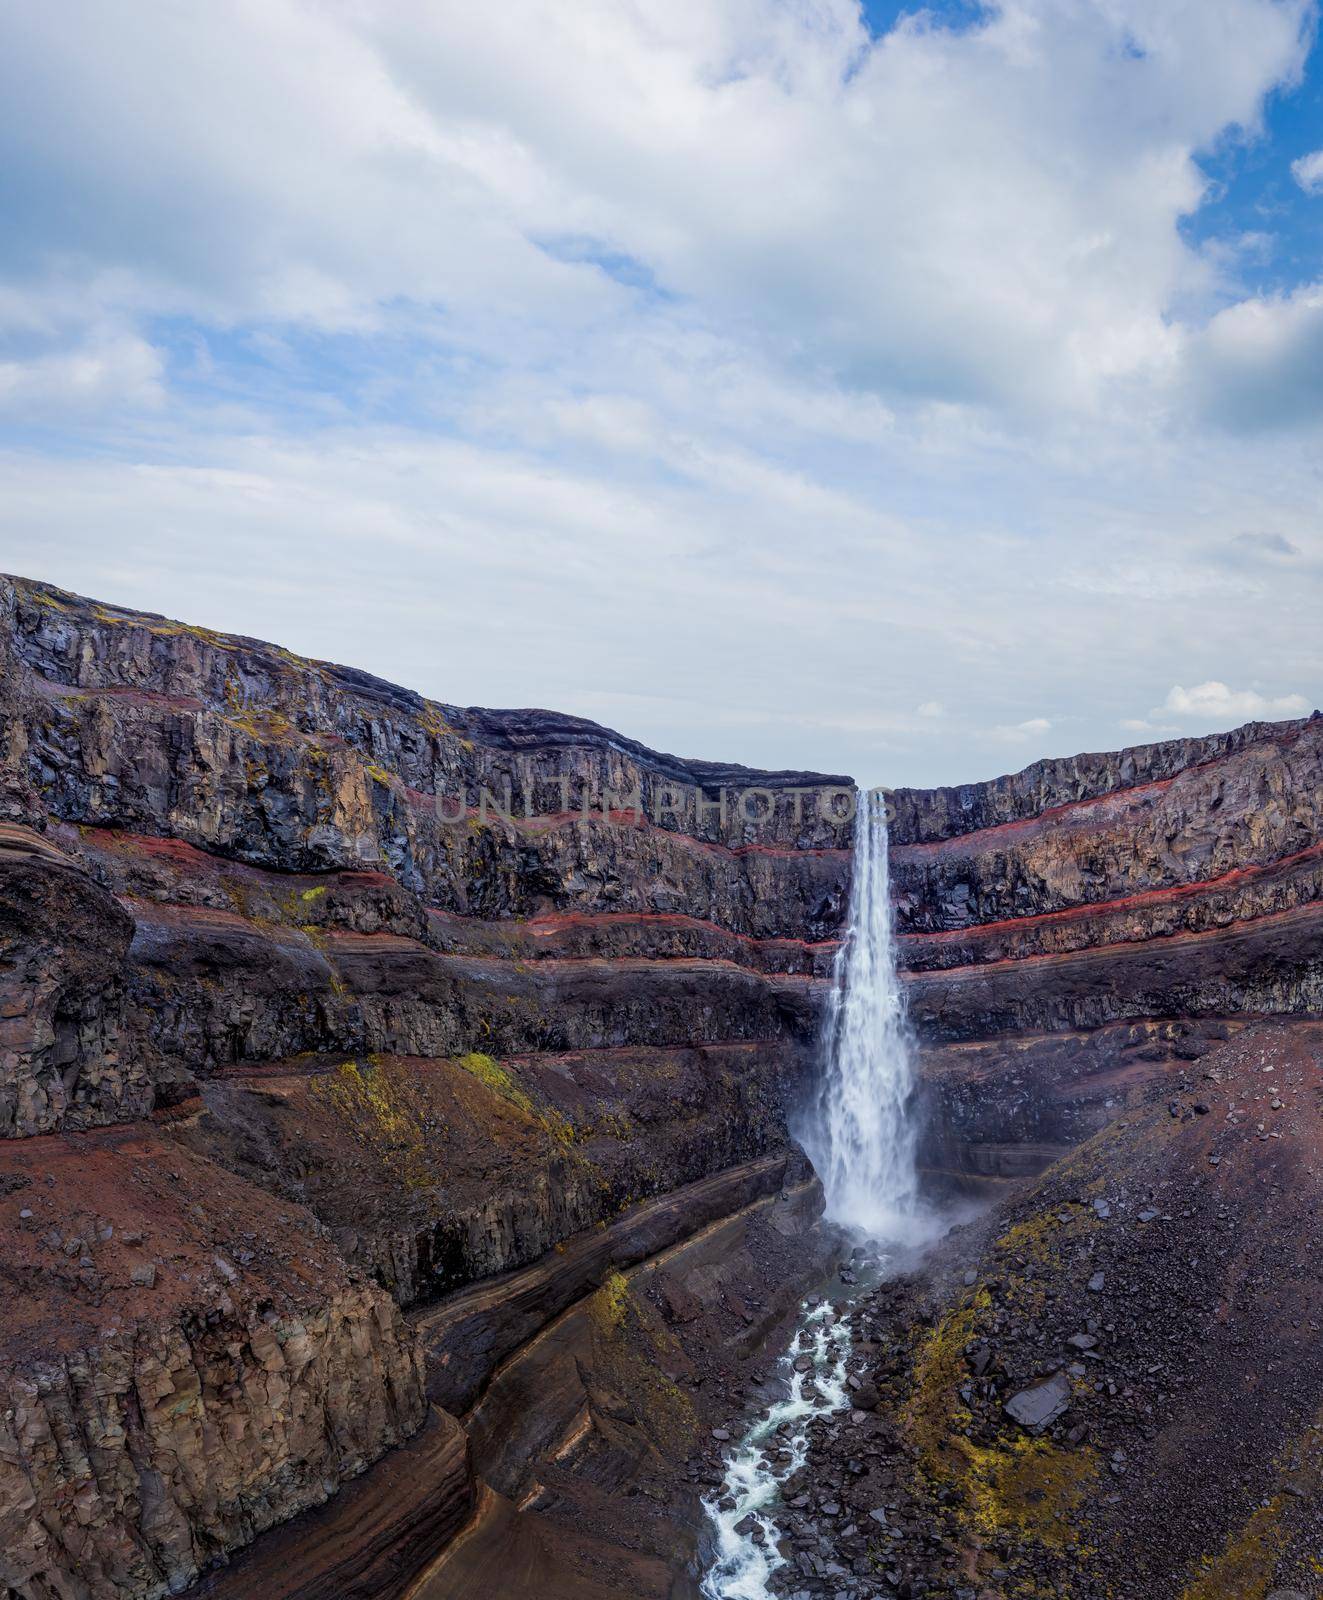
[
  {"x": 861, "y": 1140},
  {"x": 773, "y": 1450},
  {"x": 861, "y": 1137}
]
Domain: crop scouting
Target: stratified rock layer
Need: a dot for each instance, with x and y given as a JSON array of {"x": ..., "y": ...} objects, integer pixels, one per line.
[
  {"x": 186, "y": 1362},
  {"x": 319, "y": 1000},
  {"x": 436, "y": 990},
  {"x": 1172, "y": 888}
]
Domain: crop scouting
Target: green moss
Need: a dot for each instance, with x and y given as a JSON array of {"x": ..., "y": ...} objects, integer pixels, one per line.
[
  {"x": 1244, "y": 1569},
  {"x": 487, "y": 1070},
  {"x": 1021, "y": 1487}
]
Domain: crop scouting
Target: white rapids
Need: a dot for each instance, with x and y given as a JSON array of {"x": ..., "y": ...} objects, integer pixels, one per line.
[{"x": 773, "y": 1449}]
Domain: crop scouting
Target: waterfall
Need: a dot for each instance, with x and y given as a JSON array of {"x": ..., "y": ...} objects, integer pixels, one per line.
[
  {"x": 861, "y": 1135},
  {"x": 861, "y": 1139}
]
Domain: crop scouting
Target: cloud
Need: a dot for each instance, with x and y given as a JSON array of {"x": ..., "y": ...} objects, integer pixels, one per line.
[
  {"x": 1259, "y": 363},
  {"x": 773, "y": 391},
  {"x": 1267, "y": 544},
  {"x": 1018, "y": 732},
  {"x": 1216, "y": 703},
  {"x": 1308, "y": 172},
  {"x": 109, "y": 370},
  {"x": 1272, "y": 546},
  {"x": 503, "y": 176}
]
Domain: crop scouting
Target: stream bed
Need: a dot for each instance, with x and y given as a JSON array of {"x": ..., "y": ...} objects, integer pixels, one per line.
[{"x": 746, "y": 1514}]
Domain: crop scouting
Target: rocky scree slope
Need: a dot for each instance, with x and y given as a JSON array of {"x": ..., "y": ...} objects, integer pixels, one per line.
[{"x": 1110, "y": 1386}]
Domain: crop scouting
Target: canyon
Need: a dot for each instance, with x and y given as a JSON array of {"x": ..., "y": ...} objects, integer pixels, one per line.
[{"x": 399, "y": 1184}]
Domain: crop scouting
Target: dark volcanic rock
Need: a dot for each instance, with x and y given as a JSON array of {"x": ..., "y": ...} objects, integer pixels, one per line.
[
  {"x": 1041, "y": 1404},
  {"x": 63, "y": 943},
  {"x": 502, "y": 1016},
  {"x": 1202, "y": 1345},
  {"x": 267, "y": 903}
]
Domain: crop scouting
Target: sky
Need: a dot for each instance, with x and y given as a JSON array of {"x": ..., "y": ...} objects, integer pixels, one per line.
[{"x": 909, "y": 393}]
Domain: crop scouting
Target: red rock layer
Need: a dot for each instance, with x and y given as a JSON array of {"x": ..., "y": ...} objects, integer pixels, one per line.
[{"x": 236, "y": 931}]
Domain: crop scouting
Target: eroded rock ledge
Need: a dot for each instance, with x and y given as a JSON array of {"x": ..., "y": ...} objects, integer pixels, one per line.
[
  {"x": 356, "y": 1055},
  {"x": 285, "y": 1050}
]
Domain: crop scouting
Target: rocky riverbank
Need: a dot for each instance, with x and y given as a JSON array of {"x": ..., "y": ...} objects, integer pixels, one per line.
[{"x": 1109, "y": 1385}]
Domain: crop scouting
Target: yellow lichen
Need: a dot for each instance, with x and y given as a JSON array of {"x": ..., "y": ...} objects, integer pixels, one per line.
[
  {"x": 262, "y": 722},
  {"x": 431, "y": 721},
  {"x": 1022, "y": 1486},
  {"x": 385, "y": 1113},
  {"x": 631, "y": 1348}
]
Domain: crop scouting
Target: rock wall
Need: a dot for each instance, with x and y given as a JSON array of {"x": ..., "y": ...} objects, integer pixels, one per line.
[
  {"x": 1086, "y": 914},
  {"x": 186, "y": 1362},
  {"x": 375, "y": 998},
  {"x": 63, "y": 945},
  {"x": 429, "y": 991}
]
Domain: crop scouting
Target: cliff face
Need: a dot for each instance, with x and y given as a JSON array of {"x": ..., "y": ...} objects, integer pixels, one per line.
[
  {"x": 1068, "y": 930},
  {"x": 1112, "y": 859},
  {"x": 321, "y": 1003},
  {"x": 434, "y": 989},
  {"x": 185, "y": 1363}
]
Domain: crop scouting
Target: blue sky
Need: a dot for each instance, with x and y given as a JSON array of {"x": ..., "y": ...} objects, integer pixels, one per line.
[
  {"x": 1255, "y": 193},
  {"x": 910, "y": 393}
]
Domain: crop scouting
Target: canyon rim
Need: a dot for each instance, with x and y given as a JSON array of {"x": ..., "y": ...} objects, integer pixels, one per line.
[{"x": 396, "y": 1208}]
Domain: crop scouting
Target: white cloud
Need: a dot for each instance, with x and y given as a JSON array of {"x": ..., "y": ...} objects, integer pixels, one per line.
[
  {"x": 108, "y": 370},
  {"x": 1215, "y": 702},
  {"x": 986, "y": 216},
  {"x": 1259, "y": 364},
  {"x": 1308, "y": 172},
  {"x": 698, "y": 366},
  {"x": 1030, "y": 730}
]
